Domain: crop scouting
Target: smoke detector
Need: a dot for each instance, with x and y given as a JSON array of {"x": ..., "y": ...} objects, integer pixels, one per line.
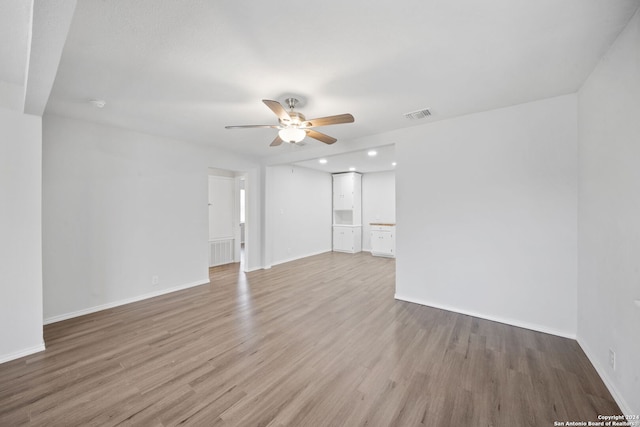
[{"x": 418, "y": 114}]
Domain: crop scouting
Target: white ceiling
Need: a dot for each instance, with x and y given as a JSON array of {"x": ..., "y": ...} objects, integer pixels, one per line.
[
  {"x": 360, "y": 160},
  {"x": 187, "y": 69}
]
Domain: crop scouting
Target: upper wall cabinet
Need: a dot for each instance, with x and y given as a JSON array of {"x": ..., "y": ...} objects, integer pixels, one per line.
[{"x": 343, "y": 188}]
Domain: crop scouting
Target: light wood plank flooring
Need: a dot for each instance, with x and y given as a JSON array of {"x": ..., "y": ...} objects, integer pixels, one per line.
[{"x": 315, "y": 342}]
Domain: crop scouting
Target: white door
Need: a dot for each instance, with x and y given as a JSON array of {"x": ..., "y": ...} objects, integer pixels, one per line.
[{"x": 337, "y": 192}]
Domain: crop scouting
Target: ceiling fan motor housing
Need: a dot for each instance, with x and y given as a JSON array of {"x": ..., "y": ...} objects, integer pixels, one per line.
[{"x": 296, "y": 119}]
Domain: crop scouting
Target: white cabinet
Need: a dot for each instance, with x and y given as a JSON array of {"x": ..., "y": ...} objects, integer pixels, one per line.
[
  {"x": 347, "y": 193},
  {"x": 344, "y": 187},
  {"x": 383, "y": 240},
  {"x": 347, "y": 238},
  {"x": 347, "y": 212}
]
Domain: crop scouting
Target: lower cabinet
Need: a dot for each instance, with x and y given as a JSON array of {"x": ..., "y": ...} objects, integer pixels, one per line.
[
  {"x": 347, "y": 238},
  {"x": 383, "y": 240}
]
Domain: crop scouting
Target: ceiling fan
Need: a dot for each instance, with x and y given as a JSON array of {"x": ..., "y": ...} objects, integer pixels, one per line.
[{"x": 294, "y": 126}]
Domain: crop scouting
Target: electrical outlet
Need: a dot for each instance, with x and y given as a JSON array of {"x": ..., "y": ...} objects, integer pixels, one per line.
[
  {"x": 155, "y": 280},
  {"x": 612, "y": 359}
]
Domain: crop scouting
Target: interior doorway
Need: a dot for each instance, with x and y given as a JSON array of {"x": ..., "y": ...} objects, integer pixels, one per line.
[
  {"x": 227, "y": 227},
  {"x": 242, "y": 218}
]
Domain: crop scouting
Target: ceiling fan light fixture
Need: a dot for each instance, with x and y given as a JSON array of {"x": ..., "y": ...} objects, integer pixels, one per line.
[{"x": 292, "y": 135}]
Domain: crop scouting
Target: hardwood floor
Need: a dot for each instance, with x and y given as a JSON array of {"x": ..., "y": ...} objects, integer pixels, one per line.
[{"x": 314, "y": 342}]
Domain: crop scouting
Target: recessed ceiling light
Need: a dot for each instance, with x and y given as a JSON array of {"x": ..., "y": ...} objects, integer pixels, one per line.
[
  {"x": 98, "y": 103},
  {"x": 322, "y": 161},
  {"x": 393, "y": 164},
  {"x": 352, "y": 168},
  {"x": 372, "y": 153}
]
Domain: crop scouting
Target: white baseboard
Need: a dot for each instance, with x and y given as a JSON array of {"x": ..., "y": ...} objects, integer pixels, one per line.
[
  {"x": 22, "y": 353},
  {"x": 106, "y": 306},
  {"x": 615, "y": 393},
  {"x": 512, "y": 322}
]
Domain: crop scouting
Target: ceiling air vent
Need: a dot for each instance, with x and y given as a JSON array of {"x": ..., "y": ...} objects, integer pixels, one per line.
[{"x": 418, "y": 114}]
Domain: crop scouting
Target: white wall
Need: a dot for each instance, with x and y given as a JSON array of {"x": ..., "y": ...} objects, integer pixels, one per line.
[
  {"x": 609, "y": 217},
  {"x": 378, "y": 202},
  {"x": 120, "y": 207},
  {"x": 299, "y": 212},
  {"x": 20, "y": 228},
  {"x": 487, "y": 215}
]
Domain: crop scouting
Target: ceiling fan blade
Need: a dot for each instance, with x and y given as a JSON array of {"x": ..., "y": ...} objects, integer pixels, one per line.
[
  {"x": 320, "y": 136},
  {"x": 276, "y": 141},
  {"x": 251, "y": 126},
  {"x": 277, "y": 108},
  {"x": 330, "y": 120}
]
